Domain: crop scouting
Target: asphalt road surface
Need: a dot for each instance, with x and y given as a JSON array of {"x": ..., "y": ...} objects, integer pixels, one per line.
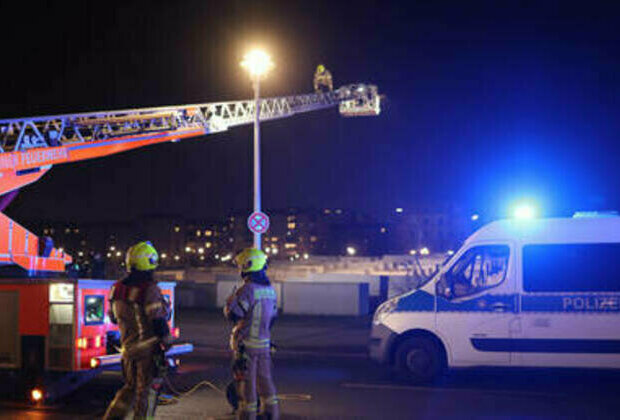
[{"x": 319, "y": 381}]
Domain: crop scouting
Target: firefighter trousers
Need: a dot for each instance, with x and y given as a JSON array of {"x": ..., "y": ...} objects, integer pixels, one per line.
[
  {"x": 137, "y": 393},
  {"x": 255, "y": 378}
]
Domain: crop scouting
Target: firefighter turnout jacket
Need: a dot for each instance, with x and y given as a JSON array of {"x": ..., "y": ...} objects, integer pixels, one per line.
[
  {"x": 252, "y": 308},
  {"x": 138, "y": 307}
]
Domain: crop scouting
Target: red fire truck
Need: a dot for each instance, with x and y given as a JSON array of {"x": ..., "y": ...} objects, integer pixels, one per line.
[{"x": 55, "y": 333}]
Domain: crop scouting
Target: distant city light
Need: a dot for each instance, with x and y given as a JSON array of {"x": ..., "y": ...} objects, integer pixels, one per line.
[
  {"x": 268, "y": 250},
  {"x": 201, "y": 250},
  {"x": 450, "y": 252},
  {"x": 475, "y": 217},
  {"x": 198, "y": 233},
  {"x": 177, "y": 229},
  {"x": 188, "y": 249},
  {"x": 274, "y": 251},
  {"x": 164, "y": 256},
  {"x": 217, "y": 256},
  {"x": 306, "y": 256},
  {"x": 351, "y": 250},
  {"x": 399, "y": 210},
  {"x": 424, "y": 251},
  {"x": 208, "y": 245},
  {"x": 109, "y": 254},
  {"x": 413, "y": 252},
  {"x": 226, "y": 257},
  {"x": 383, "y": 230},
  {"x": 81, "y": 254},
  {"x": 177, "y": 258},
  {"x": 112, "y": 248},
  {"x": 208, "y": 233},
  {"x": 119, "y": 253},
  {"x": 202, "y": 258}
]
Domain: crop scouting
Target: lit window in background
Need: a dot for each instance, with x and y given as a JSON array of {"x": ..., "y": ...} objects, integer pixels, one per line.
[
  {"x": 327, "y": 211},
  {"x": 399, "y": 210},
  {"x": 177, "y": 229},
  {"x": 164, "y": 256},
  {"x": 177, "y": 258},
  {"x": 351, "y": 250},
  {"x": 383, "y": 230},
  {"x": 208, "y": 233},
  {"x": 413, "y": 252},
  {"x": 291, "y": 226},
  {"x": 198, "y": 233},
  {"x": 208, "y": 244},
  {"x": 338, "y": 211},
  {"x": 313, "y": 239}
]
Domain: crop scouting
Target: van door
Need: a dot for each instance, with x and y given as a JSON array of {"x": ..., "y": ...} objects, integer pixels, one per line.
[
  {"x": 570, "y": 305},
  {"x": 476, "y": 305}
]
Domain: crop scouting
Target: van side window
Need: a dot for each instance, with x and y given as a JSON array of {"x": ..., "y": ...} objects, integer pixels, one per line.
[
  {"x": 571, "y": 267},
  {"x": 480, "y": 268}
]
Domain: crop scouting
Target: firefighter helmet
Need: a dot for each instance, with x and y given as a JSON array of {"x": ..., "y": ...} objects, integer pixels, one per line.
[
  {"x": 251, "y": 260},
  {"x": 320, "y": 68},
  {"x": 142, "y": 257}
]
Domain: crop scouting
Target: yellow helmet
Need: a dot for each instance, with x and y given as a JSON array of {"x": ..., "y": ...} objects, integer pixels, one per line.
[
  {"x": 142, "y": 257},
  {"x": 320, "y": 68},
  {"x": 251, "y": 260}
]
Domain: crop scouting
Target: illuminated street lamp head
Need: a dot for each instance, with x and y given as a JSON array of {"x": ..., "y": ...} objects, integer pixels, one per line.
[{"x": 257, "y": 63}]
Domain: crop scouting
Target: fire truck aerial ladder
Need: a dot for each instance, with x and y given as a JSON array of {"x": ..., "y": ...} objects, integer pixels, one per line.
[{"x": 29, "y": 147}]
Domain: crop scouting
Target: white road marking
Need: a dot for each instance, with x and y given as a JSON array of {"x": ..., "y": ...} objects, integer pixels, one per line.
[{"x": 507, "y": 392}]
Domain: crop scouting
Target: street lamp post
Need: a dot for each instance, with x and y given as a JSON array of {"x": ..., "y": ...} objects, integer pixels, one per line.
[{"x": 257, "y": 63}]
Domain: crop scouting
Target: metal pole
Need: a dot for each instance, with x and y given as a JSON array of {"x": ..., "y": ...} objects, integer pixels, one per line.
[{"x": 257, "y": 203}]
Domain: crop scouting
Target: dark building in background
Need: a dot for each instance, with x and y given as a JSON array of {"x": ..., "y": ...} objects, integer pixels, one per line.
[{"x": 293, "y": 234}]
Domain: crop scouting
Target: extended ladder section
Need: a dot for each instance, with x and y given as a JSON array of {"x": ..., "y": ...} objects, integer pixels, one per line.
[{"x": 29, "y": 147}]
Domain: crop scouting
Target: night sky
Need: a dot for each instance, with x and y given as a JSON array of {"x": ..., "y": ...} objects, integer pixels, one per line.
[{"x": 485, "y": 104}]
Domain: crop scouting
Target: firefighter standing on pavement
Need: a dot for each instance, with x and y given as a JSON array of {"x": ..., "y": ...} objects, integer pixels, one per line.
[
  {"x": 137, "y": 306},
  {"x": 322, "y": 79},
  {"x": 253, "y": 308}
]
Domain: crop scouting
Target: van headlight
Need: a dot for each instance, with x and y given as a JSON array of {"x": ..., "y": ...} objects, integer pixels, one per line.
[{"x": 383, "y": 310}]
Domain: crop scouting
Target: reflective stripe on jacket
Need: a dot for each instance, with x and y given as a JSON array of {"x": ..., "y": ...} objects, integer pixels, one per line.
[{"x": 254, "y": 306}]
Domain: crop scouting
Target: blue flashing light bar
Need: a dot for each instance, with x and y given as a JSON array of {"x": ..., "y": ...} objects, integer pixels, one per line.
[{"x": 595, "y": 214}]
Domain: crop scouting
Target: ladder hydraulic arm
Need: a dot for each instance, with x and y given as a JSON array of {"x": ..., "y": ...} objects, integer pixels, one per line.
[{"x": 29, "y": 147}]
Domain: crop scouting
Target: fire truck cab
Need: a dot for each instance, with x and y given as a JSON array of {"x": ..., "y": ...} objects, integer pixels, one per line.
[{"x": 55, "y": 334}]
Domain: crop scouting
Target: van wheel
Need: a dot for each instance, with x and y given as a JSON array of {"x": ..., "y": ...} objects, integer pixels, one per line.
[{"x": 419, "y": 359}]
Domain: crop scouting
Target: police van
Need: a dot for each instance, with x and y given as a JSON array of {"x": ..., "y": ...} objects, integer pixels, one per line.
[{"x": 538, "y": 292}]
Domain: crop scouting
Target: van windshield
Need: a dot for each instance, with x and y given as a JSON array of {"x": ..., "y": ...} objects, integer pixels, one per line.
[{"x": 479, "y": 268}]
